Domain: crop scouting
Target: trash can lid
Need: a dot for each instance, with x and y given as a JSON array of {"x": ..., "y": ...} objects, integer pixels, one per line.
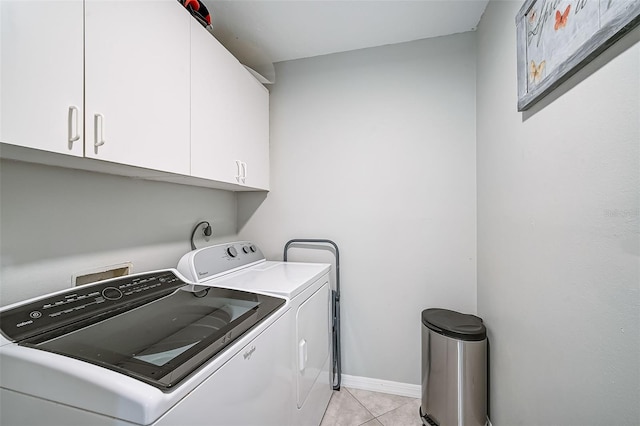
[{"x": 454, "y": 324}]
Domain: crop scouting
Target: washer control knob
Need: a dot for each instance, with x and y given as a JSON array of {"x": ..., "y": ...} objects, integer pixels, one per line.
[
  {"x": 232, "y": 252},
  {"x": 111, "y": 293},
  {"x": 252, "y": 248},
  {"x": 246, "y": 249}
]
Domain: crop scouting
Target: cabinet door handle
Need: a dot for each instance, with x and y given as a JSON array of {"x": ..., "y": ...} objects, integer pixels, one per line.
[
  {"x": 239, "y": 173},
  {"x": 244, "y": 172},
  {"x": 98, "y": 130},
  {"x": 74, "y": 135}
]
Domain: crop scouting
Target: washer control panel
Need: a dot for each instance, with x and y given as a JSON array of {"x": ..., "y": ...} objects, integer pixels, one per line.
[
  {"x": 213, "y": 261},
  {"x": 88, "y": 301}
]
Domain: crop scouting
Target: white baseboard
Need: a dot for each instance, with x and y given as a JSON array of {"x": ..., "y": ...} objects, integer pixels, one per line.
[{"x": 384, "y": 386}]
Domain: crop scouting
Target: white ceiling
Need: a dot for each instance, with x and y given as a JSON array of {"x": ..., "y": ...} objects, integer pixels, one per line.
[{"x": 262, "y": 32}]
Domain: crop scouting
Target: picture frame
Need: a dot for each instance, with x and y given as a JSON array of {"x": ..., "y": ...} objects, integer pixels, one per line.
[{"x": 556, "y": 38}]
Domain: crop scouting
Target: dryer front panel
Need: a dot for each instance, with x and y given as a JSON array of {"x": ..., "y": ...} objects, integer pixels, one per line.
[{"x": 312, "y": 336}]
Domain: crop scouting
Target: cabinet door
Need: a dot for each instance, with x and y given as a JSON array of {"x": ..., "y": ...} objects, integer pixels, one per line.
[
  {"x": 41, "y": 74},
  {"x": 137, "y": 83},
  {"x": 229, "y": 116},
  {"x": 253, "y": 137},
  {"x": 214, "y": 110}
]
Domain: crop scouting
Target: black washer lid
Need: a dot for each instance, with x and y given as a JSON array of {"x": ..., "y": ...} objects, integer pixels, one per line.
[{"x": 454, "y": 324}]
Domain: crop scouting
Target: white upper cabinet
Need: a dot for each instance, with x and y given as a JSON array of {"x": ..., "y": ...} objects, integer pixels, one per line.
[
  {"x": 229, "y": 116},
  {"x": 137, "y": 83},
  {"x": 41, "y": 75}
]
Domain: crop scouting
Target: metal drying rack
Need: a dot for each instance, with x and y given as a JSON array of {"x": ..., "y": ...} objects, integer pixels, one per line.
[{"x": 335, "y": 307}]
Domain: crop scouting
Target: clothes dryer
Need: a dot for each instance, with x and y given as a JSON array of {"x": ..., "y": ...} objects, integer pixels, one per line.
[{"x": 307, "y": 288}]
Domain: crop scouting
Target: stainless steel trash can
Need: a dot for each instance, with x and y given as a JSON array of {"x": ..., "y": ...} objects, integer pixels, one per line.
[{"x": 454, "y": 369}]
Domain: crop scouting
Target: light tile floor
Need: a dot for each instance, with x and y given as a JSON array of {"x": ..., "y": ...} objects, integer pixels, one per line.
[{"x": 355, "y": 407}]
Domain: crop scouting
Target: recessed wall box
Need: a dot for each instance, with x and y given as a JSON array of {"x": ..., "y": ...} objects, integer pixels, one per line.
[{"x": 101, "y": 273}]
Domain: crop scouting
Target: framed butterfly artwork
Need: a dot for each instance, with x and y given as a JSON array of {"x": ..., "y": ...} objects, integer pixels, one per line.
[{"x": 556, "y": 38}]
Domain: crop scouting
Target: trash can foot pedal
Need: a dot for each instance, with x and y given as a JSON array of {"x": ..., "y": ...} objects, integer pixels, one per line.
[{"x": 426, "y": 420}]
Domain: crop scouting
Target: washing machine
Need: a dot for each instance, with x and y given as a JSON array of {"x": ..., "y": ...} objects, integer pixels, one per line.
[
  {"x": 147, "y": 349},
  {"x": 307, "y": 289}
]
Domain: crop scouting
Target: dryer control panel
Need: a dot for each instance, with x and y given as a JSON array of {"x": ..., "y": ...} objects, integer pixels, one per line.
[{"x": 213, "y": 261}]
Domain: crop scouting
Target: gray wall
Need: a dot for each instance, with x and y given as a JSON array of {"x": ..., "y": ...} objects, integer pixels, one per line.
[
  {"x": 56, "y": 222},
  {"x": 375, "y": 149},
  {"x": 558, "y": 236}
]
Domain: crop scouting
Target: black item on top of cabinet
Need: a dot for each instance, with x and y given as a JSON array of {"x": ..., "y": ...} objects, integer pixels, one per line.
[{"x": 199, "y": 11}]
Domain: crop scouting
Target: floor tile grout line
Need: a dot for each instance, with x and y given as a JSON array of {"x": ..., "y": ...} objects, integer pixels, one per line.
[
  {"x": 390, "y": 411},
  {"x": 382, "y": 414},
  {"x": 377, "y": 418},
  {"x": 374, "y": 418},
  {"x": 362, "y": 405},
  {"x": 394, "y": 409}
]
